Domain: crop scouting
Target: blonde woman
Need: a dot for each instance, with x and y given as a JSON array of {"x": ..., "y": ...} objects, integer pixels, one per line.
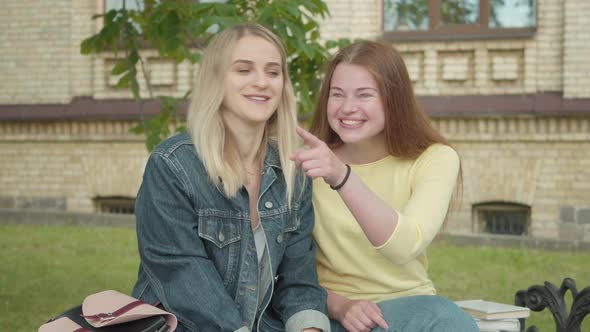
[{"x": 224, "y": 220}]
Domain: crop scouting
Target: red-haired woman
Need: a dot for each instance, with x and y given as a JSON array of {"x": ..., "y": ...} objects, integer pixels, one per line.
[{"x": 388, "y": 178}]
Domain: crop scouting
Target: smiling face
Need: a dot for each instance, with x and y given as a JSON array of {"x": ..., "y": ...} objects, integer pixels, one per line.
[
  {"x": 355, "y": 110},
  {"x": 253, "y": 83}
]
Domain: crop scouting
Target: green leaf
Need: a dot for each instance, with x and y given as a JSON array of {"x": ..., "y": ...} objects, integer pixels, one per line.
[
  {"x": 123, "y": 81},
  {"x": 133, "y": 58},
  {"x": 331, "y": 44},
  {"x": 137, "y": 130},
  {"x": 224, "y": 9},
  {"x": 343, "y": 42},
  {"x": 119, "y": 68},
  {"x": 152, "y": 141},
  {"x": 110, "y": 16},
  {"x": 194, "y": 57},
  {"x": 311, "y": 25},
  {"x": 296, "y": 31},
  {"x": 265, "y": 15},
  {"x": 292, "y": 8},
  {"x": 88, "y": 45}
]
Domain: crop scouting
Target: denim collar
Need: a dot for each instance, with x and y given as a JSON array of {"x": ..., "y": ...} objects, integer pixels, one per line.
[{"x": 272, "y": 157}]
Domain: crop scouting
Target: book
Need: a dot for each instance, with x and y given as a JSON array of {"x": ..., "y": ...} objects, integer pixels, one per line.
[
  {"x": 498, "y": 325},
  {"x": 482, "y": 309}
]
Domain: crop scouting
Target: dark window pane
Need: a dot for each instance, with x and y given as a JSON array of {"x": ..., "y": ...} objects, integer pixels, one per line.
[
  {"x": 459, "y": 11},
  {"x": 513, "y": 13},
  {"x": 509, "y": 222},
  {"x": 405, "y": 15},
  {"x": 117, "y": 205}
]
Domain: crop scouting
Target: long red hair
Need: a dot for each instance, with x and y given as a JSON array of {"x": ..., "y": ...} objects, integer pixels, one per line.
[{"x": 407, "y": 128}]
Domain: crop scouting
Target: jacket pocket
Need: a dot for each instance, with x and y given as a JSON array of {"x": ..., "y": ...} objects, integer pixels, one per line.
[
  {"x": 220, "y": 231},
  {"x": 221, "y": 237}
]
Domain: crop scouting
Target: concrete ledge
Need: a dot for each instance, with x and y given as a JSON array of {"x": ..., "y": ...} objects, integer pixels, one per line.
[
  {"x": 41, "y": 217},
  {"x": 510, "y": 241}
]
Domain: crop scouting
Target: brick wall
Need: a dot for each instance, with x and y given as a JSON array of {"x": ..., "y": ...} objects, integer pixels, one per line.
[
  {"x": 576, "y": 49},
  {"x": 65, "y": 166},
  {"x": 541, "y": 163},
  {"x": 352, "y": 19},
  {"x": 549, "y": 45},
  {"x": 39, "y": 50},
  {"x": 471, "y": 67},
  {"x": 536, "y": 162}
]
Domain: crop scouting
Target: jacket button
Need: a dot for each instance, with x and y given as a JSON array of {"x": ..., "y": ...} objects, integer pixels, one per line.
[
  {"x": 220, "y": 236},
  {"x": 268, "y": 204},
  {"x": 279, "y": 238}
]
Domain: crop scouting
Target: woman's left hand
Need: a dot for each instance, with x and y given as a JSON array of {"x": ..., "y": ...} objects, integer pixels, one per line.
[{"x": 318, "y": 160}]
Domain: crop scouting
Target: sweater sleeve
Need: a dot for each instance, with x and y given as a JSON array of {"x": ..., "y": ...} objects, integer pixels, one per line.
[{"x": 433, "y": 180}]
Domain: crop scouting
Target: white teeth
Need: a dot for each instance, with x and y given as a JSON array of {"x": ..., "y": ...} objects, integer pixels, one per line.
[
  {"x": 258, "y": 98},
  {"x": 351, "y": 122}
]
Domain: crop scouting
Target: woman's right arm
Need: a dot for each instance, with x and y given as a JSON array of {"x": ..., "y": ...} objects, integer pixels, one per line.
[{"x": 173, "y": 256}]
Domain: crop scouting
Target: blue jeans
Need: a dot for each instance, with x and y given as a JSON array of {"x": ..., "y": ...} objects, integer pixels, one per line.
[{"x": 423, "y": 313}]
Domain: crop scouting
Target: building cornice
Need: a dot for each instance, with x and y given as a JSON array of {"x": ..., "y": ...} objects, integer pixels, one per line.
[
  {"x": 87, "y": 108},
  {"x": 538, "y": 104},
  {"x": 456, "y": 129}
]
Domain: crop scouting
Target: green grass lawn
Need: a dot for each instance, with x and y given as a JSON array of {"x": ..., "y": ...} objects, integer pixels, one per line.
[{"x": 47, "y": 269}]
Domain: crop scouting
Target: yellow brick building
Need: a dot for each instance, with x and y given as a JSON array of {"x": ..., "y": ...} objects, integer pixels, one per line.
[{"x": 512, "y": 95}]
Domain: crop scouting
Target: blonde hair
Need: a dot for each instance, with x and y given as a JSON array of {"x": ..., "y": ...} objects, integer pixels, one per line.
[{"x": 213, "y": 142}]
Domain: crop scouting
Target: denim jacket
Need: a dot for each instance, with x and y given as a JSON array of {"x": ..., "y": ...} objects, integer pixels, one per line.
[{"x": 198, "y": 256}]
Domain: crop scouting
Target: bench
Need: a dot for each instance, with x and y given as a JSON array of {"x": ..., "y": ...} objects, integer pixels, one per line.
[{"x": 538, "y": 297}]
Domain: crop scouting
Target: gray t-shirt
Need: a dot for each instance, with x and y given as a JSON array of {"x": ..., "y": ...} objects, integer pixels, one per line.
[{"x": 259, "y": 241}]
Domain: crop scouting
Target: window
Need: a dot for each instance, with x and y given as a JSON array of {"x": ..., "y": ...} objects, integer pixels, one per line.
[
  {"x": 115, "y": 204},
  {"x": 501, "y": 218},
  {"x": 458, "y": 19}
]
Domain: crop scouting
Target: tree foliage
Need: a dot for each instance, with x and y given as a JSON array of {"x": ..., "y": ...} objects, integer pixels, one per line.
[{"x": 178, "y": 29}]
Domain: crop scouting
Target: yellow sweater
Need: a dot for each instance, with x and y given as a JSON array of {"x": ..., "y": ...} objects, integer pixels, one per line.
[{"x": 420, "y": 190}]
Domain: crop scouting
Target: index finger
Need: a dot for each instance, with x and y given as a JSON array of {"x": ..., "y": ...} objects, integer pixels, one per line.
[
  {"x": 308, "y": 138},
  {"x": 374, "y": 312}
]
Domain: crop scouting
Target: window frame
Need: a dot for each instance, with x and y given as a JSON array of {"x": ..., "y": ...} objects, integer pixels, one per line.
[
  {"x": 437, "y": 31},
  {"x": 479, "y": 222},
  {"x": 115, "y": 205}
]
